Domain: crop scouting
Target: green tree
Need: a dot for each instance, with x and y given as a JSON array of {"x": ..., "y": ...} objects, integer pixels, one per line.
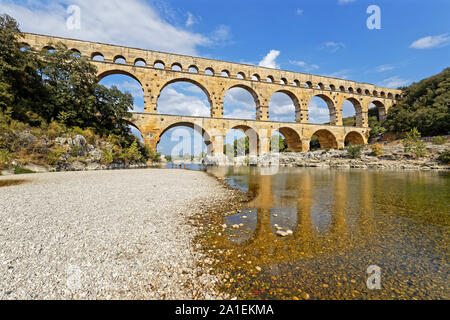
[
  {"x": 425, "y": 106},
  {"x": 282, "y": 146}
]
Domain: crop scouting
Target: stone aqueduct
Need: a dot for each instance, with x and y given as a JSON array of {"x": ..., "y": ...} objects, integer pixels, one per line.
[{"x": 156, "y": 70}]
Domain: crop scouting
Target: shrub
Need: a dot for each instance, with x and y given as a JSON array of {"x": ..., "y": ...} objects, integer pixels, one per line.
[
  {"x": 413, "y": 144},
  {"x": 20, "y": 170},
  {"x": 354, "y": 151},
  {"x": 444, "y": 157},
  {"x": 107, "y": 156},
  {"x": 132, "y": 154},
  {"x": 439, "y": 140},
  {"x": 377, "y": 149},
  {"x": 5, "y": 158},
  {"x": 54, "y": 156}
]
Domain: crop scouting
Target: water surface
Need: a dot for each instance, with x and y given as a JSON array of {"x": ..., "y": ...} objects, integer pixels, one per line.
[{"x": 342, "y": 222}]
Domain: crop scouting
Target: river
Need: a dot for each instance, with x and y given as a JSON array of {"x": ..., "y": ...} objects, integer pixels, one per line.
[{"x": 342, "y": 222}]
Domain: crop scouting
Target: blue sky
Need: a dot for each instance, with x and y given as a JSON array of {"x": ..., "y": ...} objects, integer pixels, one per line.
[{"x": 327, "y": 37}]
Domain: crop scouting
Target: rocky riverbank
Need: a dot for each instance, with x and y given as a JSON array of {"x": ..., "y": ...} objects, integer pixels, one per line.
[
  {"x": 393, "y": 157},
  {"x": 122, "y": 234}
]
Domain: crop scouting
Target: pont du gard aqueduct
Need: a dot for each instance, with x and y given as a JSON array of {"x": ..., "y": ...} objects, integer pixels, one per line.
[{"x": 156, "y": 70}]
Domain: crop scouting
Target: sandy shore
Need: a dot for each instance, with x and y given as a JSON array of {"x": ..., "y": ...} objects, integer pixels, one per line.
[{"x": 105, "y": 234}]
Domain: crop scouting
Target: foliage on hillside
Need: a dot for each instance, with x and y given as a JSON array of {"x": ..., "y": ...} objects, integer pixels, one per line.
[
  {"x": 41, "y": 91},
  {"x": 425, "y": 106}
]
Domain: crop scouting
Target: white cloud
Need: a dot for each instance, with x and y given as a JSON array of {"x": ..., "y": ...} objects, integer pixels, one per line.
[
  {"x": 305, "y": 66},
  {"x": 318, "y": 111},
  {"x": 395, "y": 82},
  {"x": 130, "y": 23},
  {"x": 281, "y": 108},
  {"x": 384, "y": 68},
  {"x": 341, "y": 2},
  {"x": 191, "y": 20},
  {"x": 172, "y": 101},
  {"x": 221, "y": 35},
  {"x": 269, "y": 61},
  {"x": 431, "y": 42},
  {"x": 299, "y": 11},
  {"x": 333, "y": 46}
]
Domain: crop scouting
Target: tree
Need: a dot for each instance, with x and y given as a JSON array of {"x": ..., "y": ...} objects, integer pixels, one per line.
[
  {"x": 425, "y": 106},
  {"x": 280, "y": 144}
]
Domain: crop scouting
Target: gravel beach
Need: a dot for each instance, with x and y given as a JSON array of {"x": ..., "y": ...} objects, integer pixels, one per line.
[{"x": 105, "y": 235}]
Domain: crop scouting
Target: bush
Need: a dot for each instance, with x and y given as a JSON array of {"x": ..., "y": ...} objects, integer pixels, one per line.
[
  {"x": 377, "y": 149},
  {"x": 5, "y": 158},
  {"x": 444, "y": 157},
  {"x": 413, "y": 144},
  {"x": 107, "y": 156},
  {"x": 354, "y": 151},
  {"x": 54, "y": 156},
  {"x": 19, "y": 170},
  {"x": 439, "y": 140}
]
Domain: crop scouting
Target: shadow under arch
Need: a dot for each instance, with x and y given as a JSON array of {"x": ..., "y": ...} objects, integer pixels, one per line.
[
  {"x": 354, "y": 138},
  {"x": 292, "y": 138},
  {"x": 381, "y": 109},
  {"x": 327, "y": 139},
  {"x": 330, "y": 104},
  {"x": 205, "y": 135}
]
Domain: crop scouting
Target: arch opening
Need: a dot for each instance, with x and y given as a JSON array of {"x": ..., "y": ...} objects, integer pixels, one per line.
[
  {"x": 139, "y": 62},
  {"x": 352, "y": 113},
  {"x": 184, "y": 97},
  {"x": 176, "y": 67},
  {"x": 97, "y": 56},
  {"x": 283, "y": 106},
  {"x": 126, "y": 83},
  {"x": 324, "y": 140},
  {"x": 240, "y": 102},
  {"x": 159, "y": 65},
  {"x": 193, "y": 69},
  {"x": 241, "y": 141},
  {"x": 321, "y": 109},
  {"x": 120, "y": 60},
  {"x": 185, "y": 141},
  {"x": 76, "y": 53},
  {"x": 290, "y": 140},
  {"x": 209, "y": 71},
  {"x": 353, "y": 138}
]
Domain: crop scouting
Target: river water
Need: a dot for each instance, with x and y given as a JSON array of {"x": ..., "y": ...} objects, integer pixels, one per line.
[{"x": 342, "y": 222}]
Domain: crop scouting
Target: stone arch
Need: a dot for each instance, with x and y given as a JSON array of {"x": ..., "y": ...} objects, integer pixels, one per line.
[
  {"x": 382, "y": 94},
  {"x": 358, "y": 111},
  {"x": 191, "y": 81},
  {"x": 159, "y": 64},
  {"x": 106, "y": 73},
  {"x": 332, "y": 87},
  {"x": 330, "y": 104},
  {"x": 97, "y": 55},
  {"x": 192, "y": 125},
  {"x": 320, "y": 86},
  {"x": 292, "y": 138},
  {"x": 390, "y": 96},
  {"x": 296, "y": 83},
  {"x": 176, "y": 67},
  {"x": 256, "y": 77},
  {"x": 209, "y": 71},
  {"x": 250, "y": 90},
  {"x": 48, "y": 48},
  {"x": 294, "y": 99},
  {"x": 359, "y": 91},
  {"x": 327, "y": 139},
  {"x": 240, "y": 75},
  {"x": 140, "y": 62},
  {"x": 367, "y": 92},
  {"x": 350, "y": 90},
  {"x": 253, "y": 136},
  {"x": 381, "y": 109},
  {"x": 354, "y": 138},
  {"x": 120, "y": 57},
  {"x": 342, "y": 89},
  {"x": 193, "y": 69},
  {"x": 225, "y": 73},
  {"x": 283, "y": 81},
  {"x": 75, "y": 52},
  {"x": 270, "y": 79},
  {"x": 309, "y": 84}
]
